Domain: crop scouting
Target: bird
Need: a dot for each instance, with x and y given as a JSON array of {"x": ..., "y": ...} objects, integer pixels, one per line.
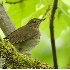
[{"x": 26, "y": 37}]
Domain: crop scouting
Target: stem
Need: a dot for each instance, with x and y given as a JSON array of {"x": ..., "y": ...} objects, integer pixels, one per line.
[{"x": 54, "y": 7}]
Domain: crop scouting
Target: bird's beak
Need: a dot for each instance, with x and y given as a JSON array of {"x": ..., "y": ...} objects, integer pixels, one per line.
[
  {"x": 42, "y": 19},
  {"x": 39, "y": 21}
]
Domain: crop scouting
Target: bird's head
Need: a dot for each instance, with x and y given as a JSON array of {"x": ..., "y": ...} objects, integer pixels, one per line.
[{"x": 35, "y": 22}]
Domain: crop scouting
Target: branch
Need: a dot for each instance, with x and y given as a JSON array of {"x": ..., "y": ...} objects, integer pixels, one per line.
[
  {"x": 5, "y": 23},
  {"x": 15, "y": 60},
  {"x": 54, "y": 7}
]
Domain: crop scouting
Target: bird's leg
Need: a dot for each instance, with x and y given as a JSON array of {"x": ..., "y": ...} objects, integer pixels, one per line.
[{"x": 28, "y": 54}]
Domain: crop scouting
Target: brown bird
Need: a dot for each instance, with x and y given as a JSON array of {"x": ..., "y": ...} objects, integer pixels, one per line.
[{"x": 26, "y": 37}]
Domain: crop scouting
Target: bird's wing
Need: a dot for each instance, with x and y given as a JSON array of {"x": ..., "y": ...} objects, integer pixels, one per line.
[{"x": 21, "y": 34}]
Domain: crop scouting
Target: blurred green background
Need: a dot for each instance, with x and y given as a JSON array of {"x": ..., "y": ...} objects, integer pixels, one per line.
[{"x": 21, "y": 13}]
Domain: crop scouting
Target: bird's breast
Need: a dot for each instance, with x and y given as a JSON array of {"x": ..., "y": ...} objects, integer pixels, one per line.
[{"x": 28, "y": 45}]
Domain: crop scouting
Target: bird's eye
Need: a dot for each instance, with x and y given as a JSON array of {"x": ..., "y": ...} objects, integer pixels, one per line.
[{"x": 34, "y": 21}]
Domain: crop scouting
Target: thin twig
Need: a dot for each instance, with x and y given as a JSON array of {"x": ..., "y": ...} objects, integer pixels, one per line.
[
  {"x": 47, "y": 10},
  {"x": 54, "y": 7},
  {"x": 14, "y": 2}
]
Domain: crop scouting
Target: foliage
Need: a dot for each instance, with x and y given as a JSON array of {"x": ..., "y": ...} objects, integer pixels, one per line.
[{"x": 21, "y": 13}]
